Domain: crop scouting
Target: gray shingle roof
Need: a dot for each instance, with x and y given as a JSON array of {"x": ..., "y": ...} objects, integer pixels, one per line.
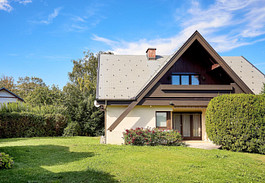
[
  {"x": 122, "y": 77},
  {"x": 247, "y": 72}
]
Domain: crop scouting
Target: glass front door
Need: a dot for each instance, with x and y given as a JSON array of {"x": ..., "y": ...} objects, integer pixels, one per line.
[{"x": 188, "y": 124}]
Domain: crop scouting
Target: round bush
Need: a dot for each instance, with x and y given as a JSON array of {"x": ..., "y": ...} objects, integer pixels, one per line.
[
  {"x": 237, "y": 122},
  {"x": 6, "y": 161}
]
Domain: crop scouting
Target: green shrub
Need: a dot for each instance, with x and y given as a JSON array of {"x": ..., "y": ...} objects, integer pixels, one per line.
[
  {"x": 6, "y": 161},
  {"x": 237, "y": 122},
  {"x": 152, "y": 137},
  {"x": 24, "y": 107},
  {"x": 72, "y": 129},
  {"x": 26, "y": 124}
]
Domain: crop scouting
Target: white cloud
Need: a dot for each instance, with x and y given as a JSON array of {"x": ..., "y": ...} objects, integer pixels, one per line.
[
  {"x": 78, "y": 19},
  {"x": 226, "y": 24},
  {"x": 24, "y": 1},
  {"x": 5, "y": 4},
  {"x": 50, "y": 18},
  {"x": 76, "y": 28}
]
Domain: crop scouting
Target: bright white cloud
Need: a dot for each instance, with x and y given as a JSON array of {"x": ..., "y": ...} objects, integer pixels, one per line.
[
  {"x": 5, "y": 4},
  {"x": 226, "y": 24},
  {"x": 24, "y": 1},
  {"x": 50, "y": 18}
]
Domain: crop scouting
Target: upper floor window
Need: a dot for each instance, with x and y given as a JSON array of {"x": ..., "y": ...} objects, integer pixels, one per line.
[{"x": 185, "y": 79}]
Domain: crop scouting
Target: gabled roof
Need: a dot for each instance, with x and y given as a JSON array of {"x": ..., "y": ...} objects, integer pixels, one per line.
[
  {"x": 123, "y": 77},
  {"x": 247, "y": 72},
  {"x": 105, "y": 91},
  {"x": 3, "y": 88}
]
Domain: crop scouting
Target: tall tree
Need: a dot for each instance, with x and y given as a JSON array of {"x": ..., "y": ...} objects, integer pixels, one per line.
[
  {"x": 8, "y": 83},
  {"x": 25, "y": 85},
  {"x": 44, "y": 95},
  {"x": 80, "y": 95}
]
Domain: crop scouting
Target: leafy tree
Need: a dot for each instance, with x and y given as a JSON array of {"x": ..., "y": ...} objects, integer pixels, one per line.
[
  {"x": 25, "y": 85},
  {"x": 80, "y": 95},
  {"x": 44, "y": 95},
  {"x": 8, "y": 83}
]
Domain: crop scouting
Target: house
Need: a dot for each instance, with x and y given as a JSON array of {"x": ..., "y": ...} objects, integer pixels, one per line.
[
  {"x": 169, "y": 92},
  {"x": 7, "y": 96}
]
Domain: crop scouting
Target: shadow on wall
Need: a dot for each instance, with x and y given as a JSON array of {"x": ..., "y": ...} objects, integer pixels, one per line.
[
  {"x": 138, "y": 117},
  {"x": 29, "y": 161},
  {"x": 142, "y": 122}
]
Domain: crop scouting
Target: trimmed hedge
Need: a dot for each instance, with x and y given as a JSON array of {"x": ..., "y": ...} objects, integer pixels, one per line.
[
  {"x": 152, "y": 137},
  {"x": 25, "y": 124},
  {"x": 237, "y": 122}
]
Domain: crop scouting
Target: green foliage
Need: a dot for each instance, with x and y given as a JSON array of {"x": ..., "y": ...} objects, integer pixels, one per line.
[
  {"x": 152, "y": 137},
  {"x": 80, "y": 95},
  {"x": 23, "y": 120},
  {"x": 8, "y": 83},
  {"x": 28, "y": 84},
  {"x": 76, "y": 101},
  {"x": 45, "y": 96},
  {"x": 25, "y": 107},
  {"x": 27, "y": 124},
  {"x": 6, "y": 162},
  {"x": 237, "y": 122},
  {"x": 72, "y": 129}
]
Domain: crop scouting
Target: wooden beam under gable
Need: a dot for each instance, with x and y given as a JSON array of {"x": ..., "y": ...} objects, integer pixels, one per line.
[
  {"x": 152, "y": 83},
  {"x": 215, "y": 66},
  {"x": 195, "y": 36}
]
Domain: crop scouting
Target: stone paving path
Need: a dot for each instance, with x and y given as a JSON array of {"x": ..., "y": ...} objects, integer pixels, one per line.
[{"x": 201, "y": 144}]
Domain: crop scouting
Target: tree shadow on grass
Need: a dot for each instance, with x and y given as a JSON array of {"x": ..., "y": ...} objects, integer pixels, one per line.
[{"x": 30, "y": 160}]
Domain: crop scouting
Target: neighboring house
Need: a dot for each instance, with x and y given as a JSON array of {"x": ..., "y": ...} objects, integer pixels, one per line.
[
  {"x": 7, "y": 96},
  {"x": 169, "y": 92}
]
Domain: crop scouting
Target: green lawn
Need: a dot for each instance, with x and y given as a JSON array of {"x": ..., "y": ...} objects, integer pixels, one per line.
[{"x": 83, "y": 159}]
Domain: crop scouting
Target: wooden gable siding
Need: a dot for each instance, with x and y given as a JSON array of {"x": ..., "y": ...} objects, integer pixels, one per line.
[
  {"x": 213, "y": 80},
  {"x": 195, "y": 37},
  {"x": 197, "y": 60}
]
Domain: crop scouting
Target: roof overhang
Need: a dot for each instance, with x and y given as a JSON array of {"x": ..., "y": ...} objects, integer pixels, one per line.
[{"x": 195, "y": 36}]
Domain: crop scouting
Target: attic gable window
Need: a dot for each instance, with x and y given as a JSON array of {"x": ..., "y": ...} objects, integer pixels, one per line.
[{"x": 185, "y": 79}]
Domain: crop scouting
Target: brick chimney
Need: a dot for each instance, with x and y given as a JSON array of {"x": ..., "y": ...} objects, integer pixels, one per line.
[{"x": 151, "y": 53}]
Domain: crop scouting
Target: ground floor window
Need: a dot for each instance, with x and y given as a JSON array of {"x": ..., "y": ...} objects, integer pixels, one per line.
[{"x": 163, "y": 119}]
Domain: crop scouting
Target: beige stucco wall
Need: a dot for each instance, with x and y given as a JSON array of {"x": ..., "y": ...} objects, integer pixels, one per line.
[{"x": 140, "y": 116}]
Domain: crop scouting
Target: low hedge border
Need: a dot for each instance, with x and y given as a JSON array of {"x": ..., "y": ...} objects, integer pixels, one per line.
[{"x": 25, "y": 124}]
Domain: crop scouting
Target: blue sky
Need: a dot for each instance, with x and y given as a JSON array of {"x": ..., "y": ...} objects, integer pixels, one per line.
[{"x": 41, "y": 37}]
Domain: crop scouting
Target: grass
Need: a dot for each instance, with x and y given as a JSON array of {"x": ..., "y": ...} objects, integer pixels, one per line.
[{"x": 83, "y": 159}]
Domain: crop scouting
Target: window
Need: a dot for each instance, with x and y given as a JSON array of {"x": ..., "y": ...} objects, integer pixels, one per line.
[
  {"x": 195, "y": 80},
  {"x": 175, "y": 79},
  {"x": 161, "y": 119},
  {"x": 185, "y": 79}
]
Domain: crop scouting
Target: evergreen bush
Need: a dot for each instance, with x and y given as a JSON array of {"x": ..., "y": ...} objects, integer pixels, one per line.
[
  {"x": 72, "y": 129},
  {"x": 237, "y": 122},
  {"x": 27, "y": 124}
]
